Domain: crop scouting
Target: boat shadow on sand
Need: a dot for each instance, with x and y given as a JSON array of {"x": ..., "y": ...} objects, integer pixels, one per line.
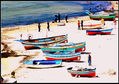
[
  {"x": 73, "y": 61},
  {"x": 77, "y": 76},
  {"x": 102, "y": 34}
]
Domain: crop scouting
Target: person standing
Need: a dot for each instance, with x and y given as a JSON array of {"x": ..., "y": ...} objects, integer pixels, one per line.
[
  {"x": 56, "y": 18},
  {"x": 39, "y": 27},
  {"x": 21, "y": 36},
  {"x": 90, "y": 10},
  {"x": 114, "y": 21},
  {"x": 78, "y": 25},
  {"x": 29, "y": 37},
  {"x": 66, "y": 17},
  {"x": 82, "y": 24},
  {"x": 103, "y": 22},
  {"x": 89, "y": 60},
  {"x": 48, "y": 26},
  {"x": 59, "y": 17}
]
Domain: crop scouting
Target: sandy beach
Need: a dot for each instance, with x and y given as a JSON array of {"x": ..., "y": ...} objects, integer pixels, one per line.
[{"x": 103, "y": 48}]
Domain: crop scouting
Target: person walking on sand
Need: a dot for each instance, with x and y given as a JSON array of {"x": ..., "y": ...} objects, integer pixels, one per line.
[
  {"x": 48, "y": 26},
  {"x": 78, "y": 25},
  {"x": 66, "y": 17},
  {"x": 59, "y": 17},
  {"x": 21, "y": 36},
  {"x": 39, "y": 27},
  {"x": 82, "y": 24},
  {"x": 89, "y": 60}
]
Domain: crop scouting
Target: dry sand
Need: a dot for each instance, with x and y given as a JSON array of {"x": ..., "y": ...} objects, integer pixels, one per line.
[{"x": 103, "y": 48}]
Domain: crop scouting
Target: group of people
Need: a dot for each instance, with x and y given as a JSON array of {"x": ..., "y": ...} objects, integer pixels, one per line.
[
  {"x": 57, "y": 18},
  {"x": 39, "y": 26}
]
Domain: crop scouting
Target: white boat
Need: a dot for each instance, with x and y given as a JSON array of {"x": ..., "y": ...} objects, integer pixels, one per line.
[{"x": 42, "y": 63}]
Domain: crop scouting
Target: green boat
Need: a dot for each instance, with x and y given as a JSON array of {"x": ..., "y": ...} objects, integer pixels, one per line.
[
  {"x": 102, "y": 15},
  {"x": 64, "y": 47}
]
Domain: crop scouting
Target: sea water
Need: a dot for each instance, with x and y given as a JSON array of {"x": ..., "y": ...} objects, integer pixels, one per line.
[{"x": 27, "y": 12}]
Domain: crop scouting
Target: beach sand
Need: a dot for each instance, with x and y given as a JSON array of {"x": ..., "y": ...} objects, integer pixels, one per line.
[{"x": 103, "y": 48}]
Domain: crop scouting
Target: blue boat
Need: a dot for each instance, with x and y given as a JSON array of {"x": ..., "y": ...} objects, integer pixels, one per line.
[
  {"x": 42, "y": 63},
  {"x": 64, "y": 47},
  {"x": 87, "y": 72},
  {"x": 72, "y": 55},
  {"x": 99, "y": 31},
  {"x": 30, "y": 44}
]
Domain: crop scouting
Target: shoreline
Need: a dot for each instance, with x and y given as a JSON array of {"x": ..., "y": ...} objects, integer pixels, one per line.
[{"x": 9, "y": 32}]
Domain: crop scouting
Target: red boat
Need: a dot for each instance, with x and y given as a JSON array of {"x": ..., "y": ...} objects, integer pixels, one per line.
[
  {"x": 31, "y": 43},
  {"x": 72, "y": 55},
  {"x": 99, "y": 31},
  {"x": 82, "y": 72}
]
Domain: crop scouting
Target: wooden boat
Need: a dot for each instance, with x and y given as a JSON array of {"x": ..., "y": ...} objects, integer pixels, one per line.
[
  {"x": 100, "y": 15},
  {"x": 92, "y": 26},
  {"x": 64, "y": 47},
  {"x": 29, "y": 44},
  {"x": 63, "y": 55},
  {"x": 87, "y": 72},
  {"x": 42, "y": 63},
  {"x": 99, "y": 31}
]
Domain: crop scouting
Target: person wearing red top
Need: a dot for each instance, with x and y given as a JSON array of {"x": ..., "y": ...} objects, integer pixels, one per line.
[
  {"x": 114, "y": 22},
  {"x": 21, "y": 36},
  {"x": 78, "y": 25}
]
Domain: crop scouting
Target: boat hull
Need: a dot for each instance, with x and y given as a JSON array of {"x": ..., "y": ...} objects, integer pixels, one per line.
[
  {"x": 93, "y": 33},
  {"x": 77, "y": 47},
  {"x": 89, "y": 74},
  {"x": 82, "y": 71},
  {"x": 99, "y": 31},
  {"x": 92, "y": 26},
  {"x": 31, "y": 44},
  {"x": 42, "y": 66},
  {"x": 99, "y": 18},
  {"x": 72, "y": 58},
  {"x": 42, "y": 63},
  {"x": 71, "y": 55},
  {"x": 76, "y": 50},
  {"x": 28, "y": 46}
]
